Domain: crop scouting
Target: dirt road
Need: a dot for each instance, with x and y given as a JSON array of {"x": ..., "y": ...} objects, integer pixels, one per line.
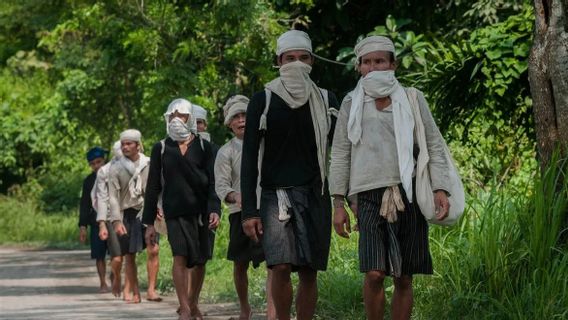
[{"x": 63, "y": 285}]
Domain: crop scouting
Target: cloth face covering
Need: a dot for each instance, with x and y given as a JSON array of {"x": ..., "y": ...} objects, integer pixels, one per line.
[
  {"x": 295, "y": 77},
  {"x": 178, "y": 130},
  {"x": 379, "y": 84}
]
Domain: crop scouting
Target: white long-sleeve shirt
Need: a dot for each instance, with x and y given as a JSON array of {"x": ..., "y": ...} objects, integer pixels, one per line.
[
  {"x": 373, "y": 163},
  {"x": 228, "y": 171}
]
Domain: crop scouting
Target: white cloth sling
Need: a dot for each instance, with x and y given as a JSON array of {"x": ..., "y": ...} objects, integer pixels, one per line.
[{"x": 424, "y": 192}]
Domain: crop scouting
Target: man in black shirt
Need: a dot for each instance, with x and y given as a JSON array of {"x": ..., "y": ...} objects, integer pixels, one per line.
[
  {"x": 294, "y": 220},
  {"x": 88, "y": 216},
  {"x": 181, "y": 173}
]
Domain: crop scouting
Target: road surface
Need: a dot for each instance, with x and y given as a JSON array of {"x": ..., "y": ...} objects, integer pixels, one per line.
[{"x": 58, "y": 284}]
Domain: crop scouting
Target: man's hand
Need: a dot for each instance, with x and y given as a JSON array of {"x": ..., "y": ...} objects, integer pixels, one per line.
[
  {"x": 341, "y": 222},
  {"x": 119, "y": 228},
  {"x": 82, "y": 234},
  {"x": 442, "y": 204},
  {"x": 213, "y": 220},
  {"x": 103, "y": 232},
  {"x": 353, "y": 206},
  {"x": 234, "y": 197},
  {"x": 160, "y": 215},
  {"x": 150, "y": 236},
  {"x": 253, "y": 229}
]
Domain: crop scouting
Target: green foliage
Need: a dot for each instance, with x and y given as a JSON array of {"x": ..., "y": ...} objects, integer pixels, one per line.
[
  {"x": 155, "y": 52},
  {"x": 22, "y": 222}
]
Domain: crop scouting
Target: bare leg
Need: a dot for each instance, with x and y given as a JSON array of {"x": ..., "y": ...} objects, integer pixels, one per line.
[
  {"x": 127, "y": 290},
  {"x": 402, "y": 298},
  {"x": 116, "y": 266},
  {"x": 240, "y": 278},
  {"x": 374, "y": 295},
  {"x": 270, "y": 309},
  {"x": 153, "y": 266},
  {"x": 196, "y": 275},
  {"x": 132, "y": 276},
  {"x": 282, "y": 290},
  {"x": 180, "y": 275},
  {"x": 101, "y": 270},
  {"x": 307, "y": 295}
]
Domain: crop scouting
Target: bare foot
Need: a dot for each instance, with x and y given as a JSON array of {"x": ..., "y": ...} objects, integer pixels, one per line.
[
  {"x": 135, "y": 299},
  {"x": 153, "y": 296},
  {"x": 126, "y": 296},
  {"x": 195, "y": 313},
  {"x": 184, "y": 315},
  {"x": 103, "y": 288},
  {"x": 116, "y": 286},
  {"x": 245, "y": 314}
]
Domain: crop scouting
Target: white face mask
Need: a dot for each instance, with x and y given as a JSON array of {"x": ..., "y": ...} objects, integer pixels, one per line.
[
  {"x": 379, "y": 84},
  {"x": 178, "y": 130},
  {"x": 295, "y": 77}
]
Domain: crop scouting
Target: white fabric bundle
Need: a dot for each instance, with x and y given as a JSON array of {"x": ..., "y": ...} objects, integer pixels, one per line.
[
  {"x": 293, "y": 40},
  {"x": 235, "y": 105}
]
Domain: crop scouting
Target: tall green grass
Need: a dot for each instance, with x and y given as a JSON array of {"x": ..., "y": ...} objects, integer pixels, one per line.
[{"x": 23, "y": 222}]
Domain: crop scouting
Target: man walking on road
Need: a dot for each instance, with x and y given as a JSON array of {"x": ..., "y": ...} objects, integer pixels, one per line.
[
  {"x": 88, "y": 216},
  {"x": 290, "y": 123}
]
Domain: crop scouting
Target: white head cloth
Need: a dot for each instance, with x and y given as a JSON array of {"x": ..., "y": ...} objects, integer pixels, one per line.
[
  {"x": 131, "y": 135},
  {"x": 199, "y": 112},
  {"x": 235, "y": 105},
  {"x": 184, "y": 107},
  {"x": 116, "y": 150},
  {"x": 374, "y": 43},
  {"x": 293, "y": 40}
]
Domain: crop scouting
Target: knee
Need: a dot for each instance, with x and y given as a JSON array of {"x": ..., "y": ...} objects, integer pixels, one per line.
[
  {"x": 281, "y": 271},
  {"x": 308, "y": 275},
  {"x": 240, "y": 267},
  {"x": 375, "y": 277},
  {"x": 403, "y": 283},
  {"x": 152, "y": 251},
  {"x": 180, "y": 261}
]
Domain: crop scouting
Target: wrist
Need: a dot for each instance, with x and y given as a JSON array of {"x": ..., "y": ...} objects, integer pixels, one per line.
[{"x": 339, "y": 202}]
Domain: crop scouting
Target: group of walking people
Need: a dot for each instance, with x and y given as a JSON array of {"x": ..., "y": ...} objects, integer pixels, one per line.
[{"x": 277, "y": 179}]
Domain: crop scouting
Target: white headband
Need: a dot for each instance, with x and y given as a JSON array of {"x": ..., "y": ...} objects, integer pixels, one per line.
[
  {"x": 131, "y": 135},
  {"x": 374, "y": 43},
  {"x": 293, "y": 40}
]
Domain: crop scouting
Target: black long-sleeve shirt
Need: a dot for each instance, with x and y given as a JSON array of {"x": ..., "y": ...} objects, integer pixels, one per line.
[
  {"x": 87, "y": 214},
  {"x": 290, "y": 150},
  {"x": 189, "y": 183}
]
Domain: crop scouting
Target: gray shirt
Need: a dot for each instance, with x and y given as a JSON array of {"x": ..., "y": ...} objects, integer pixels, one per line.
[
  {"x": 120, "y": 197},
  {"x": 373, "y": 163},
  {"x": 228, "y": 171}
]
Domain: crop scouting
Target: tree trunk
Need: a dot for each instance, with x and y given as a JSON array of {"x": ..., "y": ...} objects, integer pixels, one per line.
[{"x": 548, "y": 76}]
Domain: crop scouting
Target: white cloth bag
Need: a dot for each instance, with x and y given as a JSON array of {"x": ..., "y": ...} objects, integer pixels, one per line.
[{"x": 424, "y": 192}]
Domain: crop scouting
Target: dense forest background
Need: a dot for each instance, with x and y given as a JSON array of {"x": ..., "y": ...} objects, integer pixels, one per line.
[{"x": 74, "y": 73}]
